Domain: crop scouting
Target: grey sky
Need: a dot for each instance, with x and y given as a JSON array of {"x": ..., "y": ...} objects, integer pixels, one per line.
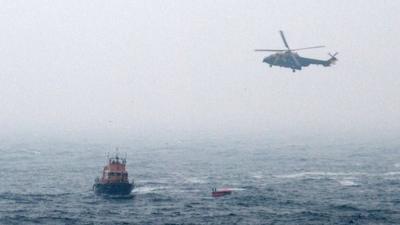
[{"x": 109, "y": 68}]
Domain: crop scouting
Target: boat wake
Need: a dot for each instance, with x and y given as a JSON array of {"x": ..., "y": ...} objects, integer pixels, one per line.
[
  {"x": 237, "y": 189},
  {"x": 147, "y": 190}
]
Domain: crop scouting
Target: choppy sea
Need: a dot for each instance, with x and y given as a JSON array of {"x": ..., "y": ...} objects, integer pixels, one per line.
[{"x": 272, "y": 183}]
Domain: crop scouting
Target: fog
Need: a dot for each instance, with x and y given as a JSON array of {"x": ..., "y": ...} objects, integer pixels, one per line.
[{"x": 125, "y": 69}]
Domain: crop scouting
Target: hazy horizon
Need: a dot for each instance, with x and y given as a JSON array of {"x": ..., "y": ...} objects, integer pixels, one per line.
[{"x": 123, "y": 69}]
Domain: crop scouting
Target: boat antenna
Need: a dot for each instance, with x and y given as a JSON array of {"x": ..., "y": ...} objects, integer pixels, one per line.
[{"x": 116, "y": 154}]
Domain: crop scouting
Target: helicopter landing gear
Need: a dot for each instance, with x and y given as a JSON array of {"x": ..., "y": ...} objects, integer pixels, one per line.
[
  {"x": 293, "y": 70},
  {"x": 270, "y": 65}
]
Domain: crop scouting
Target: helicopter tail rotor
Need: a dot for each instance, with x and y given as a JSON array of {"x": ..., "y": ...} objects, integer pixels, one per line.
[
  {"x": 332, "y": 60},
  {"x": 333, "y": 56}
]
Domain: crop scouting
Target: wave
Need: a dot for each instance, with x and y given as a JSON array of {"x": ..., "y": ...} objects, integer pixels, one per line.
[
  {"x": 317, "y": 174},
  {"x": 30, "y": 197},
  {"x": 392, "y": 173},
  {"x": 257, "y": 176},
  {"x": 348, "y": 183},
  {"x": 195, "y": 180}
]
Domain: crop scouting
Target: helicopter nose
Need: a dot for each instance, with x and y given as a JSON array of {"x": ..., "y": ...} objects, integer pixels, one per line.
[{"x": 267, "y": 60}]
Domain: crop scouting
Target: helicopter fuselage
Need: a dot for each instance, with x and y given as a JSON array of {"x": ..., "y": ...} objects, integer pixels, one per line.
[
  {"x": 295, "y": 62},
  {"x": 284, "y": 59}
]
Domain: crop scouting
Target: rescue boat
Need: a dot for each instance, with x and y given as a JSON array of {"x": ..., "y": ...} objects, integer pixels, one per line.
[
  {"x": 114, "y": 180},
  {"x": 220, "y": 192}
]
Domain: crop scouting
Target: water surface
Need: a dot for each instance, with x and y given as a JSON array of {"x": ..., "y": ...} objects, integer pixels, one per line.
[{"x": 273, "y": 183}]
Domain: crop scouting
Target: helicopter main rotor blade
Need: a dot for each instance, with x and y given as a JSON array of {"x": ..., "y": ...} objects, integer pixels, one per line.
[
  {"x": 284, "y": 39},
  {"x": 270, "y": 50},
  {"x": 298, "y": 49}
]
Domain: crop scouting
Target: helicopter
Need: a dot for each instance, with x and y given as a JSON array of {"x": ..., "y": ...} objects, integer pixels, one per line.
[{"x": 290, "y": 59}]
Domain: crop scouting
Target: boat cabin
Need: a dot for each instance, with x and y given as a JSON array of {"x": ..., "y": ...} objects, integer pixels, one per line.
[{"x": 115, "y": 171}]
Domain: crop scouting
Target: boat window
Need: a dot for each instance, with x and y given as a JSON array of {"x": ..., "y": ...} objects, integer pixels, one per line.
[{"x": 115, "y": 174}]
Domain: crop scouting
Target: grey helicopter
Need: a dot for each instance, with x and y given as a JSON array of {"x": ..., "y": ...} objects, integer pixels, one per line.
[{"x": 290, "y": 59}]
